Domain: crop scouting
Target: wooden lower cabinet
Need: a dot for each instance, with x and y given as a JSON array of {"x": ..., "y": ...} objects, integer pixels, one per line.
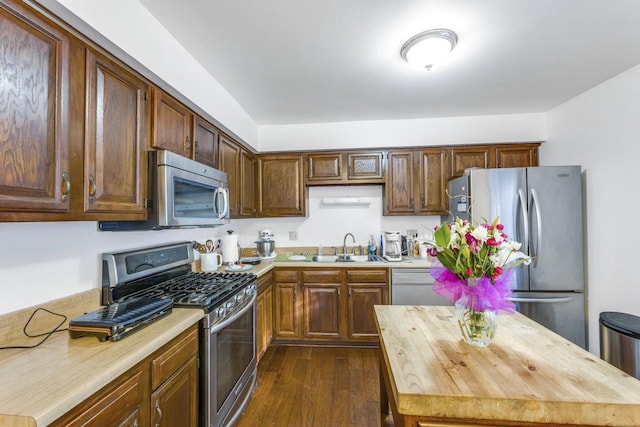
[
  {"x": 264, "y": 319},
  {"x": 162, "y": 390},
  {"x": 336, "y": 304}
]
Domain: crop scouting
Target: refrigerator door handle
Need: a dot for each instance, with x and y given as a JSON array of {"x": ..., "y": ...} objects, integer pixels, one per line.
[
  {"x": 542, "y": 300},
  {"x": 535, "y": 202},
  {"x": 525, "y": 219}
]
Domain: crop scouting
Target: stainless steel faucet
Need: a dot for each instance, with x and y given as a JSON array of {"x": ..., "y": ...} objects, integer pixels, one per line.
[{"x": 344, "y": 243}]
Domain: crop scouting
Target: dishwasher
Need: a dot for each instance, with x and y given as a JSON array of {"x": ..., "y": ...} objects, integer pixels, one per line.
[{"x": 414, "y": 286}]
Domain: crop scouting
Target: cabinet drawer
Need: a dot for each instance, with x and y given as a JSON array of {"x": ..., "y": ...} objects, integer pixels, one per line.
[
  {"x": 120, "y": 406},
  {"x": 164, "y": 365},
  {"x": 322, "y": 276},
  {"x": 285, "y": 276},
  {"x": 367, "y": 276}
]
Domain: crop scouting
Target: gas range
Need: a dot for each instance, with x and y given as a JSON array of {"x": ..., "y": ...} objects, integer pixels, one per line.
[{"x": 163, "y": 272}]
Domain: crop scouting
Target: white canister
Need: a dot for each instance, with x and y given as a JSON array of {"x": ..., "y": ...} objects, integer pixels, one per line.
[
  {"x": 230, "y": 248},
  {"x": 210, "y": 261},
  {"x": 423, "y": 249}
]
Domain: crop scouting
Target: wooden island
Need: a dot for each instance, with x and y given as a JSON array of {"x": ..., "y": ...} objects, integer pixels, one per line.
[{"x": 528, "y": 376}]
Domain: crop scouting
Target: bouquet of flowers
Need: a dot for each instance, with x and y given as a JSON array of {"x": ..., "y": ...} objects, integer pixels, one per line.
[{"x": 476, "y": 261}]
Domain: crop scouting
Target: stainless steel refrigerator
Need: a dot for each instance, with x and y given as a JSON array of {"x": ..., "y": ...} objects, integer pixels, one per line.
[{"x": 541, "y": 207}]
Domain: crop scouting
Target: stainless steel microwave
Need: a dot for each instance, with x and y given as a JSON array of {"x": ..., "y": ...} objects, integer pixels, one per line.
[{"x": 182, "y": 193}]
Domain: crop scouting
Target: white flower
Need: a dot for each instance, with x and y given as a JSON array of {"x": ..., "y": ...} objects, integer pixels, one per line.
[{"x": 480, "y": 234}]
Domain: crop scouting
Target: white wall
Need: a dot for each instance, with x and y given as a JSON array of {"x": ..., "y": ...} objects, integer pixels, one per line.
[
  {"x": 400, "y": 133},
  {"x": 129, "y": 25},
  {"x": 600, "y": 130}
]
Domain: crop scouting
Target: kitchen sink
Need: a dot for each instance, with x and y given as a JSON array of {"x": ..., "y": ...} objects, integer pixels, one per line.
[{"x": 340, "y": 258}]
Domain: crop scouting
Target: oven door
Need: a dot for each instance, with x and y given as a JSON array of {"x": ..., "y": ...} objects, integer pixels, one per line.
[{"x": 229, "y": 367}]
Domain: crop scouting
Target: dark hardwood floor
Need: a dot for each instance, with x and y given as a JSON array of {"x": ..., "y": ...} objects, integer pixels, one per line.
[{"x": 316, "y": 386}]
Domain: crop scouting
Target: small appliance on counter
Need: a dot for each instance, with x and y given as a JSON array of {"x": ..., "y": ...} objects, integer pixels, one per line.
[
  {"x": 266, "y": 244},
  {"x": 391, "y": 246}
]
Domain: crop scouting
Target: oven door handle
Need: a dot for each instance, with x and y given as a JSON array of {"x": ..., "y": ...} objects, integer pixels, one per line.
[{"x": 220, "y": 326}]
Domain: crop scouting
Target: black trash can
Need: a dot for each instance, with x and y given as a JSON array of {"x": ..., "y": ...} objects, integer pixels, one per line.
[{"x": 620, "y": 341}]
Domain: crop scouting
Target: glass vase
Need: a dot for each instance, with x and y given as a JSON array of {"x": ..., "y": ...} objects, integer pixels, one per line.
[{"x": 478, "y": 327}]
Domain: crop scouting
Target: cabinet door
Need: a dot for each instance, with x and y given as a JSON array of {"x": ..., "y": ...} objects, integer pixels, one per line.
[
  {"x": 175, "y": 402},
  {"x": 264, "y": 322},
  {"x": 34, "y": 140},
  {"x": 324, "y": 168},
  {"x": 115, "y": 138},
  {"x": 229, "y": 162},
  {"x": 367, "y": 166},
  {"x": 516, "y": 156},
  {"x": 281, "y": 190},
  {"x": 322, "y": 310},
  {"x": 247, "y": 184},
  {"x": 399, "y": 190},
  {"x": 286, "y": 318},
  {"x": 205, "y": 144},
  {"x": 469, "y": 157},
  {"x": 362, "y": 298},
  {"x": 433, "y": 182},
  {"x": 171, "y": 124}
]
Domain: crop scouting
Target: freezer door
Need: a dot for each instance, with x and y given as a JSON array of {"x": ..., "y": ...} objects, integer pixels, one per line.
[
  {"x": 555, "y": 214},
  {"x": 503, "y": 193},
  {"x": 562, "y": 312}
]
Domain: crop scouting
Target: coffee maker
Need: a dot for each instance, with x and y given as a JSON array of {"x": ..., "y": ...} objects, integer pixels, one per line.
[{"x": 392, "y": 246}]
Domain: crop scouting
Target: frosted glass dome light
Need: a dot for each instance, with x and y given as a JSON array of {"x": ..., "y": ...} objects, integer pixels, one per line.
[{"x": 429, "y": 47}]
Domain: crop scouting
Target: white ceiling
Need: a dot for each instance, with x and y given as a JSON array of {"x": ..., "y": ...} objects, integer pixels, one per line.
[{"x": 310, "y": 61}]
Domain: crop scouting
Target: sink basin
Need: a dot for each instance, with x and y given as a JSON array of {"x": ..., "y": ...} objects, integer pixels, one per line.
[
  {"x": 340, "y": 258},
  {"x": 324, "y": 258}
]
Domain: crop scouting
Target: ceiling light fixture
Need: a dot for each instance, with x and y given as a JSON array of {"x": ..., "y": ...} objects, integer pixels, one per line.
[{"x": 428, "y": 47}]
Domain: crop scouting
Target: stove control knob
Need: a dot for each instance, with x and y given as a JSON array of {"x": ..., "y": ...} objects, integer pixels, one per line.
[
  {"x": 239, "y": 298},
  {"x": 229, "y": 305},
  {"x": 221, "y": 312}
]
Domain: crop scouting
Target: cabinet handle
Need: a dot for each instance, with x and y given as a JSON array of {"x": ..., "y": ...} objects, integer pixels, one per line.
[
  {"x": 92, "y": 188},
  {"x": 136, "y": 423},
  {"x": 188, "y": 147},
  {"x": 66, "y": 184},
  {"x": 195, "y": 151},
  {"x": 338, "y": 291},
  {"x": 349, "y": 292},
  {"x": 159, "y": 412}
]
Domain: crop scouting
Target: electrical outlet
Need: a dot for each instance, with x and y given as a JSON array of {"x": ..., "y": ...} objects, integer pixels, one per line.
[{"x": 293, "y": 235}]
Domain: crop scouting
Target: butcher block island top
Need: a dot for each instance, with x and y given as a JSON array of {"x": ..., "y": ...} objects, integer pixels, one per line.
[{"x": 528, "y": 376}]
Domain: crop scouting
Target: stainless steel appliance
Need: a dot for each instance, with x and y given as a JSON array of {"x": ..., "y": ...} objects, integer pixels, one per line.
[
  {"x": 182, "y": 193},
  {"x": 414, "y": 286},
  {"x": 266, "y": 244},
  {"x": 227, "y": 334},
  {"x": 542, "y": 208},
  {"x": 392, "y": 246}
]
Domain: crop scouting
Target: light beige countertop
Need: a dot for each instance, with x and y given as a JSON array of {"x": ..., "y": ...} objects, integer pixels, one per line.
[
  {"x": 41, "y": 384},
  {"x": 527, "y": 375}
]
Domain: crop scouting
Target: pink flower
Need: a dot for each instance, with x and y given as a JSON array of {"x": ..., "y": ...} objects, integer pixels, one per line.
[
  {"x": 491, "y": 241},
  {"x": 469, "y": 272},
  {"x": 498, "y": 270},
  {"x": 500, "y": 227}
]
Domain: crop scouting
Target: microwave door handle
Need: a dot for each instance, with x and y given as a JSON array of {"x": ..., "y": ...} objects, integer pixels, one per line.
[{"x": 222, "y": 192}]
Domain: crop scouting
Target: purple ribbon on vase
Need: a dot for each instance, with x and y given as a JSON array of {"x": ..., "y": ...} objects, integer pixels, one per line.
[{"x": 487, "y": 295}]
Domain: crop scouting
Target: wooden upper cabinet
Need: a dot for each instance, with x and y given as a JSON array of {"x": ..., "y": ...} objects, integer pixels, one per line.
[
  {"x": 281, "y": 189},
  {"x": 116, "y": 134},
  {"x": 365, "y": 166},
  {"x": 516, "y": 156},
  {"x": 323, "y": 168},
  {"x": 172, "y": 121},
  {"x": 362, "y": 167},
  {"x": 248, "y": 166},
  {"x": 432, "y": 182},
  {"x": 205, "y": 142},
  {"x": 470, "y": 157},
  {"x": 229, "y": 161},
  {"x": 34, "y": 116},
  {"x": 399, "y": 189}
]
